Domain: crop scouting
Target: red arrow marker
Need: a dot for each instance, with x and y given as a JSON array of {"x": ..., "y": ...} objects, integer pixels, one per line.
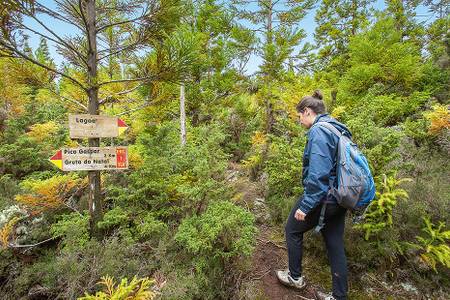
[
  {"x": 57, "y": 159},
  {"x": 122, "y": 126}
]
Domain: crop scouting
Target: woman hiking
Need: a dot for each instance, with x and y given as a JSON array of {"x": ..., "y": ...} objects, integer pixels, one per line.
[{"x": 319, "y": 175}]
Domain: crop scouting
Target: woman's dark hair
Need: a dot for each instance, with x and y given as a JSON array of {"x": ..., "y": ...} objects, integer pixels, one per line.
[{"x": 314, "y": 102}]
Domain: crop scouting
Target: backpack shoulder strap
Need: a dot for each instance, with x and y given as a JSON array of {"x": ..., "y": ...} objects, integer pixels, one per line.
[{"x": 330, "y": 127}]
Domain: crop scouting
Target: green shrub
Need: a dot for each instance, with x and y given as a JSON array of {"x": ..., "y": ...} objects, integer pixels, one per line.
[
  {"x": 73, "y": 229},
  {"x": 224, "y": 231},
  {"x": 9, "y": 187},
  {"x": 213, "y": 242},
  {"x": 175, "y": 181},
  {"x": 23, "y": 157},
  {"x": 284, "y": 169}
]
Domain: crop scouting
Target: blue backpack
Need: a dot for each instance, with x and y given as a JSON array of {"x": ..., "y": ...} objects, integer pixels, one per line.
[{"x": 355, "y": 186}]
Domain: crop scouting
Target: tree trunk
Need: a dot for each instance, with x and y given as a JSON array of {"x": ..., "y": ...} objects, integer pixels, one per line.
[
  {"x": 95, "y": 196},
  {"x": 269, "y": 41},
  {"x": 182, "y": 116},
  {"x": 354, "y": 16}
]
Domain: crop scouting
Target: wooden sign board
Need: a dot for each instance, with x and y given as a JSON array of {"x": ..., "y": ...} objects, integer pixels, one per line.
[
  {"x": 91, "y": 158},
  {"x": 95, "y": 126}
]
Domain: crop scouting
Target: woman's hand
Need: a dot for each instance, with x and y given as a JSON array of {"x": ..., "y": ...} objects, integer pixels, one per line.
[{"x": 299, "y": 215}]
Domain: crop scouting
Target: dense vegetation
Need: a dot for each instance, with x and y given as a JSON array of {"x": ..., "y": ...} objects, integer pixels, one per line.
[{"x": 177, "y": 215}]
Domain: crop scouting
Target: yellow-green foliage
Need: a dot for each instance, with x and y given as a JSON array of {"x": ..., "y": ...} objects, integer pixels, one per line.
[
  {"x": 379, "y": 214},
  {"x": 434, "y": 247},
  {"x": 6, "y": 232},
  {"x": 338, "y": 111},
  {"x": 49, "y": 193},
  {"x": 135, "y": 157},
  {"x": 439, "y": 119},
  {"x": 254, "y": 161},
  {"x": 137, "y": 289},
  {"x": 41, "y": 132}
]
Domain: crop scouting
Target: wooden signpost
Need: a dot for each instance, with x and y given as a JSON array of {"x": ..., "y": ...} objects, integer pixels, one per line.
[
  {"x": 91, "y": 158},
  {"x": 95, "y": 126}
]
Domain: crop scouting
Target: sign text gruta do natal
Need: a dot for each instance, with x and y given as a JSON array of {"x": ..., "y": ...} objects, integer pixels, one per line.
[
  {"x": 95, "y": 126},
  {"x": 91, "y": 158}
]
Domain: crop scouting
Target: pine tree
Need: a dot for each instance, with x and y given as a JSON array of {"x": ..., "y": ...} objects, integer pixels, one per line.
[
  {"x": 403, "y": 12},
  {"x": 42, "y": 52},
  {"x": 337, "y": 21},
  {"x": 280, "y": 34}
]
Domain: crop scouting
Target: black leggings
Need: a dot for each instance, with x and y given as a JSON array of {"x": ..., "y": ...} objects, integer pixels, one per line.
[{"x": 332, "y": 233}]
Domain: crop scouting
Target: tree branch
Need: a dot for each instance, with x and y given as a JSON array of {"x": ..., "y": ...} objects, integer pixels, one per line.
[
  {"x": 124, "y": 21},
  {"x": 103, "y": 100},
  {"x": 40, "y": 34},
  {"x": 26, "y": 57},
  {"x": 31, "y": 245},
  {"x": 127, "y": 80},
  {"x": 68, "y": 99},
  {"x": 54, "y": 14},
  {"x": 83, "y": 17},
  {"x": 135, "y": 44},
  {"x": 56, "y": 36},
  {"x": 134, "y": 109}
]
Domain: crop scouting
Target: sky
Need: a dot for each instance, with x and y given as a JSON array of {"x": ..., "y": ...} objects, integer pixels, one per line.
[{"x": 64, "y": 29}]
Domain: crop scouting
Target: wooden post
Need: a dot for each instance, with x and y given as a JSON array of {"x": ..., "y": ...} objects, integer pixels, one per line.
[
  {"x": 95, "y": 200},
  {"x": 182, "y": 116}
]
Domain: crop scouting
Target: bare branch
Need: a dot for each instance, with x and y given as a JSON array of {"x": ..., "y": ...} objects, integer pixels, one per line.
[
  {"x": 40, "y": 34},
  {"x": 130, "y": 90},
  {"x": 44, "y": 9},
  {"x": 57, "y": 36},
  {"x": 31, "y": 245},
  {"x": 83, "y": 17}
]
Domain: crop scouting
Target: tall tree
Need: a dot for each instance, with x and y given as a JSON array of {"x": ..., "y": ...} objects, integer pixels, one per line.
[
  {"x": 86, "y": 52},
  {"x": 337, "y": 21},
  {"x": 403, "y": 12},
  {"x": 223, "y": 51},
  {"x": 277, "y": 24}
]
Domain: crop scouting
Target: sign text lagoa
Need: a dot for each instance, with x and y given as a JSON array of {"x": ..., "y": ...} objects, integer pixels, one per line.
[
  {"x": 92, "y": 158},
  {"x": 95, "y": 126}
]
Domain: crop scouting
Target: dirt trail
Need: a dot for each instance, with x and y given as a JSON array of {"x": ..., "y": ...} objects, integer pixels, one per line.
[
  {"x": 270, "y": 254},
  {"x": 268, "y": 257}
]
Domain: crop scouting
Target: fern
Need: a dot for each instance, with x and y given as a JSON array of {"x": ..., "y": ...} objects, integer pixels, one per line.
[
  {"x": 434, "y": 246},
  {"x": 137, "y": 289},
  {"x": 379, "y": 213}
]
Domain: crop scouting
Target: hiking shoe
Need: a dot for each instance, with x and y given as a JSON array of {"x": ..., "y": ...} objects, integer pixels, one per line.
[
  {"x": 323, "y": 296},
  {"x": 285, "y": 278}
]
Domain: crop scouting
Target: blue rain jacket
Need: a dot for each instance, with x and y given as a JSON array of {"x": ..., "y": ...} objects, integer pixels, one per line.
[{"x": 319, "y": 163}]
